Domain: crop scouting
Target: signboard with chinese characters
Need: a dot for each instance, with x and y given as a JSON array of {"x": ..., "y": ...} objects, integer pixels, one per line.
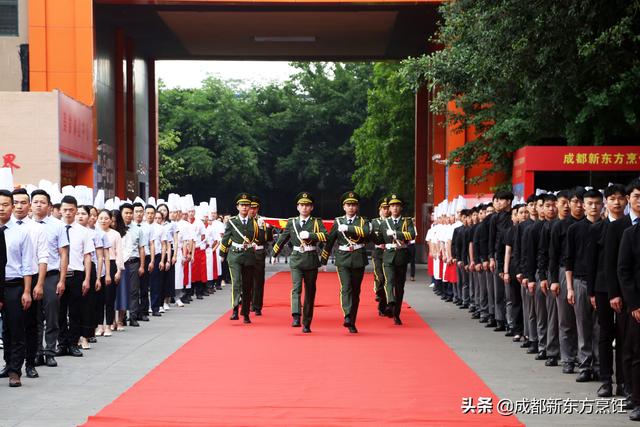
[{"x": 76, "y": 128}]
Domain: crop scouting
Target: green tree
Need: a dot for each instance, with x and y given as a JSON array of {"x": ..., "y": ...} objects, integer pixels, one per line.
[
  {"x": 384, "y": 144},
  {"x": 535, "y": 73},
  {"x": 171, "y": 168}
]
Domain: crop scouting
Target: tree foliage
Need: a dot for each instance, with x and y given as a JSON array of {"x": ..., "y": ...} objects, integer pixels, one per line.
[
  {"x": 384, "y": 144},
  {"x": 535, "y": 73},
  {"x": 273, "y": 141}
]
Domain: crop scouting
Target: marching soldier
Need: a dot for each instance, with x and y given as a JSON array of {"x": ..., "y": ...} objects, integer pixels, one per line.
[
  {"x": 397, "y": 231},
  {"x": 238, "y": 242},
  {"x": 265, "y": 235},
  {"x": 376, "y": 257},
  {"x": 305, "y": 232},
  {"x": 350, "y": 232}
]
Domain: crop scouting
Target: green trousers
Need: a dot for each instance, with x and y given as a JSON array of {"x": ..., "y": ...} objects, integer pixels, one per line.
[
  {"x": 258, "y": 282},
  {"x": 379, "y": 282},
  {"x": 241, "y": 286},
  {"x": 309, "y": 277},
  {"x": 350, "y": 286},
  {"x": 395, "y": 277}
]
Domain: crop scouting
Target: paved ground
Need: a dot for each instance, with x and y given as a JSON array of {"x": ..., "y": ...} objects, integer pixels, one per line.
[{"x": 67, "y": 395}]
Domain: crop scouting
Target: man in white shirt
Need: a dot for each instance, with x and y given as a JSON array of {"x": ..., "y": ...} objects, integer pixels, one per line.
[
  {"x": 77, "y": 279},
  {"x": 16, "y": 288},
  {"x": 147, "y": 262},
  {"x": 156, "y": 233},
  {"x": 37, "y": 234},
  {"x": 58, "y": 260},
  {"x": 133, "y": 258}
]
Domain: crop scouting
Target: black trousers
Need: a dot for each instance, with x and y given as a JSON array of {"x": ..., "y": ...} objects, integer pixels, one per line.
[
  {"x": 105, "y": 299},
  {"x": 13, "y": 327},
  {"x": 398, "y": 279},
  {"x": 247, "y": 289},
  {"x": 412, "y": 260},
  {"x": 258, "y": 283},
  {"x": 632, "y": 357},
  {"x": 612, "y": 326},
  {"x": 31, "y": 329},
  {"x": 168, "y": 282},
  {"x": 88, "y": 311},
  {"x": 70, "y": 316},
  {"x": 155, "y": 285},
  {"x": 144, "y": 288},
  {"x": 516, "y": 307},
  {"x": 306, "y": 279}
]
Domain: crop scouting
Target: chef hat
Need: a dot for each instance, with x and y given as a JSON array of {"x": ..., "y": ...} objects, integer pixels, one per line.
[
  {"x": 109, "y": 205},
  {"x": 6, "y": 179},
  {"x": 540, "y": 191},
  {"x": 191, "y": 204},
  {"x": 174, "y": 202},
  {"x": 161, "y": 202},
  {"x": 117, "y": 202},
  {"x": 98, "y": 202},
  {"x": 462, "y": 203},
  {"x": 152, "y": 201},
  {"x": 452, "y": 207},
  {"x": 69, "y": 190},
  {"x": 138, "y": 199},
  {"x": 213, "y": 204},
  {"x": 184, "y": 204},
  {"x": 202, "y": 211},
  {"x": 30, "y": 189}
]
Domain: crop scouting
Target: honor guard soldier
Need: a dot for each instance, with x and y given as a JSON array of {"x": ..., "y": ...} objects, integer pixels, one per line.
[
  {"x": 265, "y": 235},
  {"x": 238, "y": 242},
  {"x": 376, "y": 257},
  {"x": 350, "y": 232},
  {"x": 397, "y": 231},
  {"x": 305, "y": 232}
]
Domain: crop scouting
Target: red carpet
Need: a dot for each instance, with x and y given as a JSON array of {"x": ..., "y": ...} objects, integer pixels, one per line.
[{"x": 268, "y": 373}]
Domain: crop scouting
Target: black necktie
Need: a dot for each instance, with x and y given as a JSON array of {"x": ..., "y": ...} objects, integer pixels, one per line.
[
  {"x": 395, "y": 222},
  {"x": 635, "y": 221},
  {"x": 19, "y": 222},
  {"x": 244, "y": 221},
  {"x": 349, "y": 221},
  {"x": 68, "y": 238},
  {"x": 41, "y": 222},
  {"x": 303, "y": 222},
  {"x": 4, "y": 227}
]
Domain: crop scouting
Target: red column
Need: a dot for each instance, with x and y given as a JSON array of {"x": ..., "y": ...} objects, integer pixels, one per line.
[
  {"x": 439, "y": 147},
  {"x": 153, "y": 130},
  {"x": 455, "y": 137},
  {"x": 422, "y": 162}
]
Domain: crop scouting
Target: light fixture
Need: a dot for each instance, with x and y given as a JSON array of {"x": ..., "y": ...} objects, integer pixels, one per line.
[{"x": 285, "y": 39}]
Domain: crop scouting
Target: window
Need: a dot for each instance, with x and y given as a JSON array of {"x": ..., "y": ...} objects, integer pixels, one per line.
[{"x": 8, "y": 17}]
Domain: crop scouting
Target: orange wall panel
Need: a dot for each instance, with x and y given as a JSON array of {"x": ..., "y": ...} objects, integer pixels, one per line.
[
  {"x": 37, "y": 13},
  {"x": 61, "y": 49},
  {"x": 60, "y": 13},
  {"x": 37, "y": 52}
]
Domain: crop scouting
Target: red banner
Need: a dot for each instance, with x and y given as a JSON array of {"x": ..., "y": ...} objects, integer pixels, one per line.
[
  {"x": 76, "y": 128},
  {"x": 282, "y": 222}
]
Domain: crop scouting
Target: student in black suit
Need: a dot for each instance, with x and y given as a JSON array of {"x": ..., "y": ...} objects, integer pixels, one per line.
[
  {"x": 611, "y": 323},
  {"x": 629, "y": 280}
]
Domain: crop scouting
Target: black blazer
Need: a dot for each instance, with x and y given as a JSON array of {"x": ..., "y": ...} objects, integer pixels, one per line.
[
  {"x": 611, "y": 250},
  {"x": 629, "y": 267}
]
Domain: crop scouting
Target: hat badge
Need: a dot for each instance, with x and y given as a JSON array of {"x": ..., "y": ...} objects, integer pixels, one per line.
[
  {"x": 350, "y": 194},
  {"x": 394, "y": 196},
  {"x": 304, "y": 195}
]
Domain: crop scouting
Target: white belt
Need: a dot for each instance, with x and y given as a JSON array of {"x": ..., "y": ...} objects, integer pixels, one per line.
[
  {"x": 240, "y": 246},
  {"x": 350, "y": 248},
  {"x": 304, "y": 248},
  {"x": 394, "y": 246},
  {"x": 258, "y": 247},
  {"x": 380, "y": 246}
]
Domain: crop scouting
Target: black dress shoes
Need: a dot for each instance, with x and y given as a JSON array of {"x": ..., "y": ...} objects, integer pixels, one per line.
[
  {"x": 134, "y": 323},
  {"x": 352, "y": 329},
  {"x": 92, "y": 340},
  {"x": 306, "y": 329},
  {"x": 552, "y": 361},
  {"x": 509, "y": 333},
  {"x": 31, "y": 372},
  {"x": 144, "y": 318},
  {"x": 296, "y": 321},
  {"x": 50, "y": 361},
  {"x": 583, "y": 376},
  {"x": 234, "y": 316},
  {"x": 14, "y": 380},
  {"x": 347, "y": 321},
  {"x": 568, "y": 368},
  {"x": 542, "y": 355},
  {"x": 4, "y": 373},
  {"x": 533, "y": 348},
  {"x": 635, "y": 414},
  {"x": 246, "y": 319},
  {"x": 397, "y": 321},
  {"x": 199, "y": 297},
  {"x": 483, "y": 319},
  {"x": 627, "y": 404},
  {"x": 156, "y": 314},
  {"x": 40, "y": 360},
  {"x": 500, "y": 327},
  {"x": 491, "y": 324},
  {"x": 525, "y": 344},
  {"x": 605, "y": 390},
  {"x": 62, "y": 351},
  {"x": 258, "y": 312},
  {"x": 620, "y": 390},
  {"x": 75, "y": 351}
]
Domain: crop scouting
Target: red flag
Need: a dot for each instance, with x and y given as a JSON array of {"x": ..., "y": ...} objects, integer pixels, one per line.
[{"x": 282, "y": 222}]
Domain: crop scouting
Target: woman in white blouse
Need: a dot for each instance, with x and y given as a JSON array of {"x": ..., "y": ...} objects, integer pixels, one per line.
[{"x": 106, "y": 317}]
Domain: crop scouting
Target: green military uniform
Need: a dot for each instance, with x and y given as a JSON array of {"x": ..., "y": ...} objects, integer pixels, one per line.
[
  {"x": 396, "y": 257},
  {"x": 303, "y": 261},
  {"x": 351, "y": 259},
  {"x": 265, "y": 235},
  {"x": 376, "y": 257},
  {"x": 237, "y": 246}
]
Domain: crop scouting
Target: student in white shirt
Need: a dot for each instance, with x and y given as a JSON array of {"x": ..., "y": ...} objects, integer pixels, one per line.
[{"x": 105, "y": 306}]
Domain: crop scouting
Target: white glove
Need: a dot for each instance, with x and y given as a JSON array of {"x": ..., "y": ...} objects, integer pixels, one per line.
[
  {"x": 260, "y": 222},
  {"x": 304, "y": 234},
  {"x": 273, "y": 260},
  {"x": 343, "y": 227},
  {"x": 390, "y": 232}
]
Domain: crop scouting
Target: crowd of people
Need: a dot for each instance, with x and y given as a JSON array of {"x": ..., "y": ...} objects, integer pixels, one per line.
[
  {"x": 558, "y": 273},
  {"x": 76, "y": 269}
]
